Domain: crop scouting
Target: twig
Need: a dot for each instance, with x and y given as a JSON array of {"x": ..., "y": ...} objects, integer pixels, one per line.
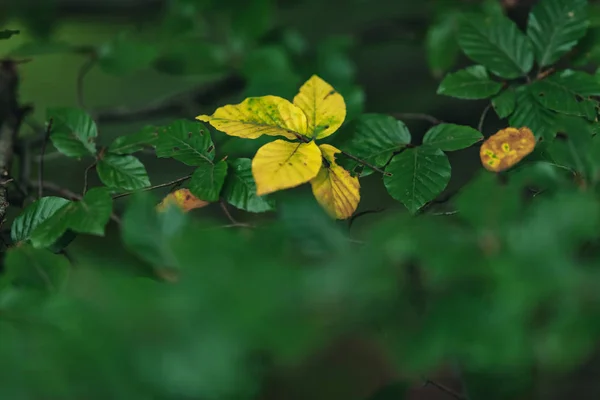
[
  {"x": 482, "y": 118},
  {"x": 446, "y": 389},
  {"x": 174, "y": 182},
  {"x": 83, "y": 71},
  {"x": 85, "y": 176},
  {"x": 363, "y": 213},
  {"x": 366, "y": 164},
  {"x": 423, "y": 117},
  {"x": 234, "y": 222},
  {"x": 41, "y": 164}
]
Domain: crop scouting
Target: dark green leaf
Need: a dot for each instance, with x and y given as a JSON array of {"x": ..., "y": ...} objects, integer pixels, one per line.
[
  {"x": 191, "y": 56},
  {"x": 33, "y": 215},
  {"x": 36, "y": 268},
  {"x": 441, "y": 44},
  {"x": 73, "y": 131},
  {"x": 376, "y": 137},
  {"x": 240, "y": 189},
  {"x": 471, "y": 83},
  {"x": 122, "y": 172},
  {"x": 185, "y": 141},
  {"x": 560, "y": 93},
  {"x": 135, "y": 142},
  {"x": 125, "y": 55},
  {"x": 89, "y": 215},
  {"x": 496, "y": 43},
  {"x": 450, "y": 137},
  {"x": 504, "y": 104},
  {"x": 572, "y": 148},
  {"x": 530, "y": 113},
  {"x": 419, "y": 175},
  {"x": 554, "y": 28},
  {"x": 207, "y": 181},
  {"x": 8, "y": 33}
]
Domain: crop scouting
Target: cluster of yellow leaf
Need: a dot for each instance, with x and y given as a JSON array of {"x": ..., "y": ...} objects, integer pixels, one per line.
[
  {"x": 183, "y": 199},
  {"x": 316, "y": 112},
  {"x": 506, "y": 148}
]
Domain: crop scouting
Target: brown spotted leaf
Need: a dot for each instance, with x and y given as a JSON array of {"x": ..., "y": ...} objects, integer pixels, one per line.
[
  {"x": 182, "y": 198},
  {"x": 506, "y": 148}
]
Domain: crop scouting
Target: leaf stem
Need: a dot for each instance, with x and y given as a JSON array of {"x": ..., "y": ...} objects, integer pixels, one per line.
[
  {"x": 41, "y": 164},
  {"x": 85, "y": 176},
  {"x": 420, "y": 116},
  {"x": 482, "y": 118},
  {"x": 366, "y": 164},
  {"x": 174, "y": 182}
]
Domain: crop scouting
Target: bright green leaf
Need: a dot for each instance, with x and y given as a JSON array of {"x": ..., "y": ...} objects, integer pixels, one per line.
[
  {"x": 125, "y": 55},
  {"x": 207, "y": 181},
  {"x": 33, "y": 215},
  {"x": 36, "y": 268},
  {"x": 441, "y": 44},
  {"x": 135, "y": 142},
  {"x": 496, "y": 43},
  {"x": 240, "y": 189},
  {"x": 554, "y": 28},
  {"x": 122, "y": 172},
  {"x": 504, "y": 104},
  {"x": 530, "y": 113},
  {"x": 185, "y": 141},
  {"x": 419, "y": 175},
  {"x": 90, "y": 215},
  {"x": 73, "y": 131},
  {"x": 450, "y": 137},
  {"x": 471, "y": 83}
]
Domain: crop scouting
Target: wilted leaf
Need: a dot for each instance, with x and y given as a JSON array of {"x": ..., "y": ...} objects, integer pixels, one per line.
[
  {"x": 496, "y": 43},
  {"x": 323, "y": 106},
  {"x": 185, "y": 141},
  {"x": 257, "y": 116},
  {"x": 122, "y": 172},
  {"x": 281, "y": 165},
  {"x": 207, "y": 180},
  {"x": 33, "y": 215},
  {"x": 506, "y": 148},
  {"x": 504, "y": 104},
  {"x": 29, "y": 267},
  {"x": 554, "y": 28},
  {"x": 182, "y": 198},
  {"x": 419, "y": 175},
  {"x": 89, "y": 215},
  {"x": 240, "y": 189},
  {"x": 450, "y": 137},
  {"x": 334, "y": 188},
  {"x": 73, "y": 131},
  {"x": 471, "y": 83}
]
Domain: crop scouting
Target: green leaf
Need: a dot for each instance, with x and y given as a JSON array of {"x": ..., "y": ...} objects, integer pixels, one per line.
[
  {"x": 90, "y": 215},
  {"x": 554, "y": 28},
  {"x": 240, "y": 189},
  {"x": 36, "y": 268},
  {"x": 122, "y": 172},
  {"x": 560, "y": 93},
  {"x": 504, "y": 104},
  {"x": 191, "y": 56},
  {"x": 441, "y": 44},
  {"x": 419, "y": 175},
  {"x": 450, "y": 137},
  {"x": 185, "y": 141},
  {"x": 207, "y": 181},
  {"x": 496, "y": 43},
  {"x": 125, "y": 55},
  {"x": 530, "y": 113},
  {"x": 376, "y": 137},
  {"x": 471, "y": 83},
  {"x": 73, "y": 131},
  {"x": 33, "y": 215},
  {"x": 135, "y": 142},
  {"x": 8, "y": 33}
]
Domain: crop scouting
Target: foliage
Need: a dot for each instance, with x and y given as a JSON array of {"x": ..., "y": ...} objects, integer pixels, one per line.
[{"x": 503, "y": 281}]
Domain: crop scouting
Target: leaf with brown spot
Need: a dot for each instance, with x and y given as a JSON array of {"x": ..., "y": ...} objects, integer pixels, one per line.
[
  {"x": 506, "y": 148},
  {"x": 183, "y": 199}
]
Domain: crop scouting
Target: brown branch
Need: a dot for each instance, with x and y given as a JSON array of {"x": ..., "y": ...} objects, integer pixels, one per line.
[{"x": 41, "y": 164}]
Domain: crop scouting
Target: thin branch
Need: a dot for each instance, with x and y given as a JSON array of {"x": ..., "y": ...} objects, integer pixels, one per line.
[
  {"x": 85, "y": 176},
  {"x": 482, "y": 118},
  {"x": 446, "y": 389},
  {"x": 366, "y": 164},
  {"x": 363, "y": 213},
  {"x": 83, "y": 71},
  {"x": 41, "y": 164},
  {"x": 174, "y": 182},
  {"x": 419, "y": 116},
  {"x": 234, "y": 222}
]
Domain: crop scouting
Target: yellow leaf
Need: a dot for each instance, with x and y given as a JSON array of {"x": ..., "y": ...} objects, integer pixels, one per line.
[
  {"x": 324, "y": 107},
  {"x": 257, "y": 116},
  {"x": 281, "y": 165},
  {"x": 183, "y": 199},
  {"x": 506, "y": 148},
  {"x": 335, "y": 189}
]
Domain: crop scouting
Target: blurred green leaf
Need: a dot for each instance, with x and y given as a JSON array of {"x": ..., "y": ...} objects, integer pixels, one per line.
[
  {"x": 73, "y": 131},
  {"x": 419, "y": 175},
  {"x": 451, "y": 137},
  {"x": 441, "y": 43},
  {"x": 90, "y": 215},
  {"x": 554, "y": 28},
  {"x": 504, "y": 103},
  {"x": 43, "y": 47},
  {"x": 470, "y": 83},
  {"x": 8, "y": 33},
  {"x": 185, "y": 141},
  {"x": 33, "y": 215},
  {"x": 530, "y": 113},
  {"x": 122, "y": 172},
  {"x": 191, "y": 56},
  {"x": 207, "y": 181},
  {"x": 239, "y": 189},
  {"x": 496, "y": 43},
  {"x": 125, "y": 55},
  {"x": 134, "y": 142},
  {"x": 36, "y": 268}
]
